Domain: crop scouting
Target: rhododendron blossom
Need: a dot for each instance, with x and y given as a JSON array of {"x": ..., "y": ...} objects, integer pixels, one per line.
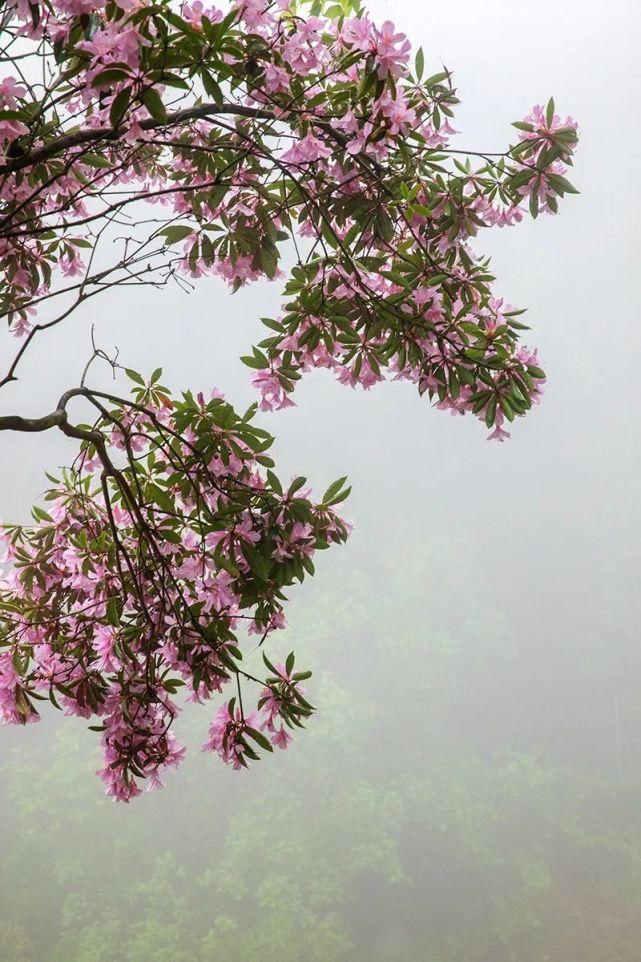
[
  {"x": 158, "y": 143},
  {"x": 143, "y": 579}
]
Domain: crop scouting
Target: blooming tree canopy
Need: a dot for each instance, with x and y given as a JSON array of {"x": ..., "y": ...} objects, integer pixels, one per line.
[{"x": 193, "y": 140}]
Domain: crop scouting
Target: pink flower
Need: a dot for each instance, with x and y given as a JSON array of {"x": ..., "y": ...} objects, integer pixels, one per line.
[
  {"x": 538, "y": 119},
  {"x": 281, "y": 738},
  {"x": 359, "y": 32},
  {"x": 137, "y": 733},
  {"x": 254, "y": 14},
  {"x": 71, "y": 265},
  {"x": 103, "y": 643},
  {"x": 194, "y": 12},
  {"x": 7, "y": 547},
  {"x": 226, "y": 735},
  {"x": 10, "y": 91},
  {"x": 14, "y": 709},
  {"x": 115, "y": 44},
  {"x": 21, "y": 327},
  {"x": 306, "y": 151},
  {"x": 274, "y": 395},
  {"x": 392, "y": 50},
  {"x": 76, "y": 8},
  {"x": 276, "y": 79},
  {"x": 499, "y": 434},
  {"x": 10, "y": 130},
  {"x": 400, "y": 116}
]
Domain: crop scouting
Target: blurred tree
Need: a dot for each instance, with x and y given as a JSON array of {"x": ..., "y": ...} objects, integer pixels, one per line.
[
  {"x": 15, "y": 944},
  {"x": 400, "y": 832}
]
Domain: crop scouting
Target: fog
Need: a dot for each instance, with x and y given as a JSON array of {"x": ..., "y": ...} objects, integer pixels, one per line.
[{"x": 470, "y": 788}]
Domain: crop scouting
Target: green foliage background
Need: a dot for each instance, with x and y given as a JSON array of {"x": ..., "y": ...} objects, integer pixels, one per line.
[{"x": 461, "y": 797}]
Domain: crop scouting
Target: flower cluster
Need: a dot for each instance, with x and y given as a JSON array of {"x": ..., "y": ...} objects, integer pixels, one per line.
[
  {"x": 195, "y": 140},
  {"x": 281, "y": 706},
  {"x": 169, "y": 539},
  {"x": 247, "y": 126}
]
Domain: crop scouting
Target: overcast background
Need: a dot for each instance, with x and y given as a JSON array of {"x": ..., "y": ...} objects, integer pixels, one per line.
[{"x": 542, "y": 531}]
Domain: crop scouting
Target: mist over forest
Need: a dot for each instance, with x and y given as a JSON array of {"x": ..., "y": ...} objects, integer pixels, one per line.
[{"x": 469, "y": 789}]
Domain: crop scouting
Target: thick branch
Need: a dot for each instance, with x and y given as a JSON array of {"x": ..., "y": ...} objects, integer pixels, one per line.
[
  {"x": 88, "y": 135},
  {"x": 57, "y": 418},
  {"x": 13, "y": 422}
]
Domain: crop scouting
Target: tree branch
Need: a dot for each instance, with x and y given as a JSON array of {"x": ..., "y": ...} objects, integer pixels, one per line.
[
  {"x": 88, "y": 135},
  {"x": 57, "y": 418}
]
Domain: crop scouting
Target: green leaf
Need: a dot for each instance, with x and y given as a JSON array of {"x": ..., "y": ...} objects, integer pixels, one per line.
[
  {"x": 212, "y": 88},
  {"x": 110, "y": 76},
  {"x": 259, "y": 738},
  {"x": 269, "y": 665},
  {"x": 490, "y": 413},
  {"x": 333, "y": 489},
  {"x": 119, "y": 107},
  {"x": 340, "y": 497},
  {"x": 549, "y": 112},
  {"x": 162, "y": 498},
  {"x": 176, "y": 232},
  {"x": 419, "y": 63},
  {"x": 296, "y": 485},
  {"x": 154, "y": 105},
  {"x": 255, "y": 362},
  {"x": 113, "y": 613},
  {"x": 96, "y": 160},
  {"x": 436, "y": 78},
  {"x": 256, "y": 562},
  {"x": 268, "y": 258},
  {"x": 274, "y": 482},
  {"x": 561, "y": 184}
]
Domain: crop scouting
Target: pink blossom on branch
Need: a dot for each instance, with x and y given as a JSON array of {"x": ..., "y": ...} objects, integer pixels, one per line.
[
  {"x": 351, "y": 168},
  {"x": 242, "y": 130},
  {"x": 147, "y": 580}
]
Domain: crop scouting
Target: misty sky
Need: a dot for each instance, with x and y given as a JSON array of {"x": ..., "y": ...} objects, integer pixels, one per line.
[{"x": 552, "y": 515}]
